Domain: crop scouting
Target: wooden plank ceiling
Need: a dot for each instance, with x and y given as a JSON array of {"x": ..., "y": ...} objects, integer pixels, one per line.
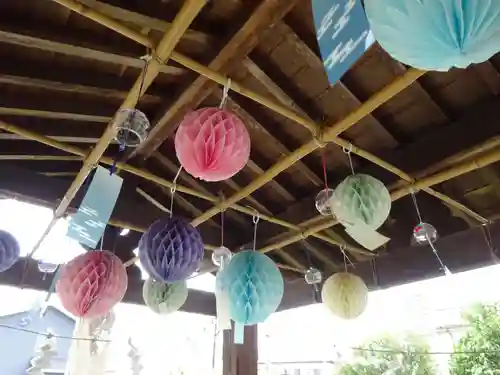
[{"x": 63, "y": 76}]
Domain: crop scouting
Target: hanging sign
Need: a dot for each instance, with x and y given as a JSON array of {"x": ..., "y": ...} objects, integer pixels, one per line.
[
  {"x": 88, "y": 224},
  {"x": 343, "y": 34}
]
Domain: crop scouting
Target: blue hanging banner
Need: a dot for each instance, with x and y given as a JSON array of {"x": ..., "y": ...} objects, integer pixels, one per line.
[
  {"x": 343, "y": 34},
  {"x": 88, "y": 224}
]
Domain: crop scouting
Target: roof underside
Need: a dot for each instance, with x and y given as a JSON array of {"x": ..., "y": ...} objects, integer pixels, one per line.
[{"x": 63, "y": 75}]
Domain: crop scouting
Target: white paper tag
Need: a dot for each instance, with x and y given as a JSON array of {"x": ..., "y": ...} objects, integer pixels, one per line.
[
  {"x": 366, "y": 236},
  {"x": 222, "y": 307}
]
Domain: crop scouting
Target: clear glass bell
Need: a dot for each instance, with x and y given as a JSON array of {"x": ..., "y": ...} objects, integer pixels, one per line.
[
  {"x": 221, "y": 256},
  {"x": 313, "y": 276},
  {"x": 131, "y": 127},
  {"x": 324, "y": 202},
  {"x": 424, "y": 232},
  {"x": 47, "y": 267}
]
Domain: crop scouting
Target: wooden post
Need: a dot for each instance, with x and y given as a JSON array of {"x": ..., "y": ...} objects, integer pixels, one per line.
[{"x": 240, "y": 359}]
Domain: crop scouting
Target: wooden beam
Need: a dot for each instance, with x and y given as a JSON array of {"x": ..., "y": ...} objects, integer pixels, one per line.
[
  {"x": 489, "y": 75},
  {"x": 460, "y": 252},
  {"x": 143, "y": 21},
  {"x": 26, "y": 112},
  {"x": 31, "y": 40},
  {"x": 240, "y": 359},
  {"x": 198, "y": 302},
  {"x": 71, "y": 88},
  {"x": 12, "y": 157},
  {"x": 330, "y": 265},
  {"x": 59, "y": 138},
  {"x": 351, "y": 102},
  {"x": 267, "y": 13}
]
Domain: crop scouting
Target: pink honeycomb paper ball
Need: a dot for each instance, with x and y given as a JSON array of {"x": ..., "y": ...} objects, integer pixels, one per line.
[
  {"x": 212, "y": 144},
  {"x": 91, "y": 284}
]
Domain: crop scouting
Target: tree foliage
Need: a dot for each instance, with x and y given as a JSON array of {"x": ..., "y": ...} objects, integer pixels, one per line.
[
  {"x": 483, "y": 336},
  {"x": 391, "y": 357}
]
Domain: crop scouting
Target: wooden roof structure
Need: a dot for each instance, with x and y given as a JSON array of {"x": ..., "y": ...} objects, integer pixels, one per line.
[{"x": 67, "y": 66}]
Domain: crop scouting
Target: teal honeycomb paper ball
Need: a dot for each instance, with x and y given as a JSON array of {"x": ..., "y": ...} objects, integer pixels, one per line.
[
  {"x": 164, "y": 298},
  {"x": 436, "y": 34},
  {"x": 254, "y": 285},
  {"x": 362, "y": 199}
]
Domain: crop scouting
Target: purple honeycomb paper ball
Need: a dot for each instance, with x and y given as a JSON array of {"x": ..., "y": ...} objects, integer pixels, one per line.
[
  {"x": 171, "y": 250},
  {"x": 9, "y": 250}
]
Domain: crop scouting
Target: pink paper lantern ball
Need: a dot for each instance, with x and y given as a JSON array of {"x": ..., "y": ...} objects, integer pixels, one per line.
[
  {"x": 212, "y": 144},
  {"x": 91, "y": 284}
]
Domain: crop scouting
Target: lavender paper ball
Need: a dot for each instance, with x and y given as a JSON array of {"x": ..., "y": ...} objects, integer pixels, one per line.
[
  {"x": 9, "y": 250},
  {"x": 171, "y": 250}
]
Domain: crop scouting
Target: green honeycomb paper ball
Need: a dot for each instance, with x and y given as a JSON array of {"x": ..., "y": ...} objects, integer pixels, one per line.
[
  {"x": 164, "y": 298},
  {"x": 361, "y": 199}
]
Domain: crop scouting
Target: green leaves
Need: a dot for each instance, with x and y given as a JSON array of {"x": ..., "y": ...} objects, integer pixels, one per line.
[
  {"x": 481, "y": 343},
  {"x": 391, "y": 357}
]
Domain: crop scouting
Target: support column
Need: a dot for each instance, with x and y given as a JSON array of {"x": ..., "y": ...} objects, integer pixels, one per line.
[{"x": 240, "y": 359}]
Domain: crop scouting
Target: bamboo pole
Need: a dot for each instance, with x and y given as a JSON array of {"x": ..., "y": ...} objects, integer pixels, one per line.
[
  {"x": 39, "y": 158},
  {"x": 165, "y": 183},
  {"x": 455, "y": 159},
  {"x": 369, "y": 106},
  {"x": 480, "y": 161},
  {"x": 181, "y": 23}
]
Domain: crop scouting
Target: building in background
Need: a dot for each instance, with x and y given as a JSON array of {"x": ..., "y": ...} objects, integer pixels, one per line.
[{"x": 17, "y": 347}]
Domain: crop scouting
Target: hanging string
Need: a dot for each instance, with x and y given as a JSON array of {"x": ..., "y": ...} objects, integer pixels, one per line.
[
  {"x": 101, "y": 244},
  {"x": 225, "y": 94},
  {"x": 348, "y": 152},
  {"x": 222, "y": 228},
  {"x": 323, "y": 161},
  {"x": 434, "y": 250},
  {"x": 414, "y": 199},
  {"x": 485, "y": 229},
  {"x": 255, "y": 220},
  {"x": 51, "y": 335},
  {"x": 374, "y": 272},
  {"x": 346, "y": 258},
  {"x": 172, "y": 191}
]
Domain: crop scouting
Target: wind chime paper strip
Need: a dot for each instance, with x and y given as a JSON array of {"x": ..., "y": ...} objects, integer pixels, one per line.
[
  {"x": 343, "y": 34},
  {"x": 88, "y": 224},
  {"x": 239, "y": 333},
  {"x": 366, "y": 236},
  {"x": 222, "y": 307}
]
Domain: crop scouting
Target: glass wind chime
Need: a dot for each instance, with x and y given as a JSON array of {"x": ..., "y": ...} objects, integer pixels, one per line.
[
  {"x": 131, "y": 124},
  {"x": 426, "y": 234}
]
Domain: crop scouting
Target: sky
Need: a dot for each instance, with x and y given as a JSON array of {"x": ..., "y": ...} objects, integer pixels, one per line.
[{"x": 303, "y": 334}]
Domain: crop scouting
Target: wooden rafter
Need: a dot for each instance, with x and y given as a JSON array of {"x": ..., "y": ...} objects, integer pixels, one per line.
[
  {"x": 186, "y": 15},
  {"x": 236, "y": 49},
  {"x": 65, "y": 48}
]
